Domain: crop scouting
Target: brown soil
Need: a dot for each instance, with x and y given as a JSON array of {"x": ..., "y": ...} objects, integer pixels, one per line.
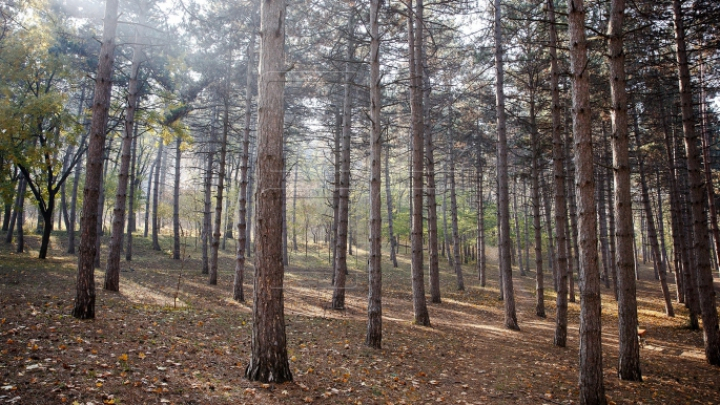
[{"x": 147, "y": 347}]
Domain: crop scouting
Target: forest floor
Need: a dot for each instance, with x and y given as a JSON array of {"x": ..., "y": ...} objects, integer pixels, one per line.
[{"x": 148, "y": 347}]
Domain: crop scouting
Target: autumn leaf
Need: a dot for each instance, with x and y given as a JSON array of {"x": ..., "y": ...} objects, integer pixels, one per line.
[
  {"x": 141, "y": 355},
  {"x": 123, "y": 357}
]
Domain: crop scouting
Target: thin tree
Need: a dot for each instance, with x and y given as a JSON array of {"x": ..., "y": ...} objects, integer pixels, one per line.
[
  {"x": 561, "y": 301},
  {"x": 238, "y": 293},
  {"x": 112, "y": 269},
  {"x": 374, "y": 326},
  {"x": 415, "y": 39},
  {"x": 502, "y": 173},
  {"x": 85, "y": 298}
]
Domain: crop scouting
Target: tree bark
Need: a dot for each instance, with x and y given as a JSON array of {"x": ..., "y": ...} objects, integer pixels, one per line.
[
  {"x": 238, "y": 291},
  {"x": 207, "y": 211},
  {"x": 269, "y": 359},
  {"x": 561, "y": 303},
  {"x": 134, "y": 184},
  {"x": 502, "y": 170},
  {"x": 415, "y": 40},
  {"x": 85, "y": 298},
  {"x": 432, "y": 228},
  {"x": 176, "y": 200},
  {"x": 535, "y": 142},
  {"x": 389, "y": 199},
  {"x": 592, "y": 390},
  {"x": 711, "y": 334},
  {"x": 217, "y": 226},
  {"x": 481, "y": 260},
  {"x": 454, "y": 208},
  {"x": 373, "y": 337},
  {"x": 112, "y": 269},
  {"x": 156, "y": 197},
  {"x": 341, "y": 243}
]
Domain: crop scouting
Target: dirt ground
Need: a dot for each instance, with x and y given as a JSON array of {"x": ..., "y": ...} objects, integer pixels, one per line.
[{"x": 169, "y": 338}]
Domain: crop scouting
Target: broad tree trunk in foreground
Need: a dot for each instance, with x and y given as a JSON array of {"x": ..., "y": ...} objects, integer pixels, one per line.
[
  {"x": 629, "y": 349},
  {"x": 112, "y": 268},
  {"x": 85, "y": 298},
  {"x": 269, "y": 359},
  {"x": 592, "y": 390},
  {"x": 374, "y": 327},
  {"x": 502, "y": 170},
  {"x": 711, "y": 334}
]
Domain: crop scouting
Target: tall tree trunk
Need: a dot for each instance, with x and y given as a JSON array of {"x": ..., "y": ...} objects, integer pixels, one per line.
[
  {"x": 518, "y": 234},
  {"x": 373, "y": 338},
  {"x": 217, "y": 226},
  {"x": 535, "y": 142},
  {"x": 453, "y": 213},
  {"x": 85, "y": 298},
  {"x": 207, "y": 211},
  {"x": 294, "y": 209},
  {"x": 176, "y": 200},
  {"x": 112, "y": 269},
  {"x": 156, "y": 197},
  {"x": 602, "y": 215},
  {"x": 711, "y": 334},
  {"x": 652, "y": 234},
  {"x": 675, "y": 223},
  {"x": 661, "y": 218},
  {"x": 336, "y": 188},
  {"x": 238, "y": 291},
  {"x": 552, "y": 262},
  {"x": 432, "y": 228},
  {"x": 389, "y": 199},
  {"x": 101, "y": 205},
  {"x": 561, "y": 301},
  {"x": 502, "y": 170},
  {"x": 415, "y": 45},
  {"x": 132, "y": 227},
  {"x": 269, "y": 359},
  {"x": 592, "y": 390},
  {"x": 73, "y": 207},
  {"x": 573, "y": 248},
  {"x": 481, "y": 260},
  {"x": 20, "y": 218},
  {"x": 16, "y": 208},
  {"x": 341, "y": 243},
  {"x": 148, "y": 198}
]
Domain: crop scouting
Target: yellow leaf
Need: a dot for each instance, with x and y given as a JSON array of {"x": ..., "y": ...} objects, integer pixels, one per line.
[
  {"x": 98, "y": 384},
  {"x": 310, "y": 370},
  {"x": 141, "y": 355},
  {"x": 123, "y": 357},
  {"x": 110, "y": 401},
  {"x": 293, "y": 358}
]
